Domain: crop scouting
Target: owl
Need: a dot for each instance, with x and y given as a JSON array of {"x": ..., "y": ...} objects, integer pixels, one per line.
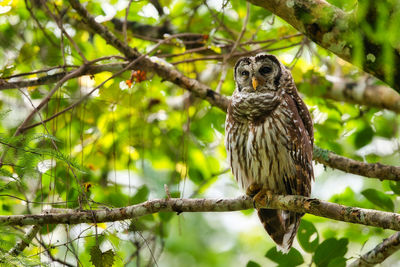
[{"x": 269, "y": 139}]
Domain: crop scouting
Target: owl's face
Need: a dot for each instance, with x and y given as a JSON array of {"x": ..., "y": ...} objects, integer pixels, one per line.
[{"x": 259, "y": 74}]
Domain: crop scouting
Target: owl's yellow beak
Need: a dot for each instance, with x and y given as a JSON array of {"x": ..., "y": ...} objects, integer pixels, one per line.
[{"x": 254, "y": 82}]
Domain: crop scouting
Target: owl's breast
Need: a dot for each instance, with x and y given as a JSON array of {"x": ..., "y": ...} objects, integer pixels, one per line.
[{"x": 260, "y": 152}]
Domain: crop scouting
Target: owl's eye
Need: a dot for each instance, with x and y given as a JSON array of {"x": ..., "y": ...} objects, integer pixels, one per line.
[
  {"x": 245, "y": 73},
  {"x": 265, "y": 70}
]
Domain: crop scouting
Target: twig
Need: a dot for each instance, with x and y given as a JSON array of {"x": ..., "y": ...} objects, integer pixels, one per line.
[
  {"x": 51, "y": 256},
  {"x": 379, "y": 253},
  {"x": 39, "y": 71},
  {"x": 227, "y": 57},
  {"x": 76, "y": 73},
  {"x": 38, "y": 23},
  {"x": 237, "y": 54},
  {"x": 221, "y": 23},
  {"x": 58, "y": 21},
  {"x": 25, "y": 241},
  {"x": 52, "y": 78},
  {"x": 126, "y": 21}
]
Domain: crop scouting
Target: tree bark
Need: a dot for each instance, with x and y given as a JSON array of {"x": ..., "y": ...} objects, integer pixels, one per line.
[
  {"x": 377, "y": 255},
  {"x": 339, "y": 32},
  {"x": 382, "y": 219}
]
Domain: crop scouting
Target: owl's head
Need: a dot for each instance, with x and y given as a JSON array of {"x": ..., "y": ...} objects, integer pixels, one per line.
[{"x": 258, "y": 74}]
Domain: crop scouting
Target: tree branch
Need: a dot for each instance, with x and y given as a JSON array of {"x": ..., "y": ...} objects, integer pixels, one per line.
[
  {"x": 25, "y": 241},
  {"x": 378, "y": 254},
  {"x": 333, "y": 29},
  {"x": 386, "y": 220},
  {"x": 52, "y": 78},
  {"x": 371, "y": 170},
  {"x": 358, "y": 92}
]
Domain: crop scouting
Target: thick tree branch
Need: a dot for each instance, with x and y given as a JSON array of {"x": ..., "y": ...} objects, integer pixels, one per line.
[
  {"x": 372, "y": 170},
  {"x": 386, "y": 220},
  {"x": 378, "y": 254},
  {"x": 333, "y": 29},
  {"x": 358, "y": 92},
  {"x": 378, "y": 96}
]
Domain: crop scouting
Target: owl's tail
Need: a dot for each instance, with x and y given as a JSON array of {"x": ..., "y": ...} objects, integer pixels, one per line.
[{"x": 281, "y": 225}]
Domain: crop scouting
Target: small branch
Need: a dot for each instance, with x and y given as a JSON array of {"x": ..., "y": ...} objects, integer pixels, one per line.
[
  {"x": 371, "y": 170},
  {"x": 25, "y": 241},
  {"x": 76, "y": 73},
  {"x": 236, "y": 55},
  {"x": 160, "y": 68},
  {"x": 59, "y": 23},
  {"x": 227, "y": 57},
  {"x": 379, "y": 253},
  {"x": 221, "y": 23},
  {"x": 52, "y": 78},
  {"x": 386, "y": 220},
  {"x": 29, "y": 8},
  {"x": 126, "y": 21}
]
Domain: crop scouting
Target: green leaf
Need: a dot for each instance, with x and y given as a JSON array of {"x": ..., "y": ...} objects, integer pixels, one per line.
[
  {"x": 165, "y": 216},
  {"x": 141, "y": 195},
  {"x": 293, "y": 258},
  {"x": 330, "y": 249},
  {"x": 364, "y": 136},
  {"x": 308, "y": 236},
  {"x": 395, "y": 186},
  {"x": 101, "y": 259},
  {"x": 252, "y": 264},
  {"x": 196, "y": 175},
  {"x": 7, "y": 70},
  {"x": 379, "y": 199},
  {"x": 338, "y": 262}
]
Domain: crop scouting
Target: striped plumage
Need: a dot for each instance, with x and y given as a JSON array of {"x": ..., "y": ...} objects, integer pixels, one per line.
[{"x": 269, "y": 139}]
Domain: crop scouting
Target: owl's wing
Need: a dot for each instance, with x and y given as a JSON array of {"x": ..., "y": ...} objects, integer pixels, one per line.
[
  {"x": 282, "y": 225},
  {"x": 300, "y": 106},
  {"x": 300, "y": 144}
]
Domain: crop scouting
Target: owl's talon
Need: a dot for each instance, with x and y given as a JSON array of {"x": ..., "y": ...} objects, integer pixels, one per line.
[
  {"x": 262, "y": 198},
  {"x": 253, "y": 189}
]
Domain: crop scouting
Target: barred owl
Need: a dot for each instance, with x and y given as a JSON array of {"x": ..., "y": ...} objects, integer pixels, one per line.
[{"x": 269, "y": 140}]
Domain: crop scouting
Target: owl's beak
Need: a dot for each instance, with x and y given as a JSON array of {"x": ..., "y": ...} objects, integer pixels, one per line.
[{"x": 254, "y": 82}]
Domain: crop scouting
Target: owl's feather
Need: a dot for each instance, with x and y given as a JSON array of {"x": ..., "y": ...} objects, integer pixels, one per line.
[{"x": 269, "y": 139}]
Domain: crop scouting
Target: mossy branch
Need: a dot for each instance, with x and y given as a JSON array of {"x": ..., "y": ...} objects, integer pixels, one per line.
[{"x": 382, "y": 219}]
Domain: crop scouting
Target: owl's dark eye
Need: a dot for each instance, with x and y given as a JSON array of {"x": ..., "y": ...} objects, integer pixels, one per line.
[
  {"x": 265, "y": 70},
  {"x": 245, "y": 73}
]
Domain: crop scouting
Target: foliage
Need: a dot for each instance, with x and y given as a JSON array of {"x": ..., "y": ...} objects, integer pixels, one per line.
[{"x": 137, "y": 135}]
